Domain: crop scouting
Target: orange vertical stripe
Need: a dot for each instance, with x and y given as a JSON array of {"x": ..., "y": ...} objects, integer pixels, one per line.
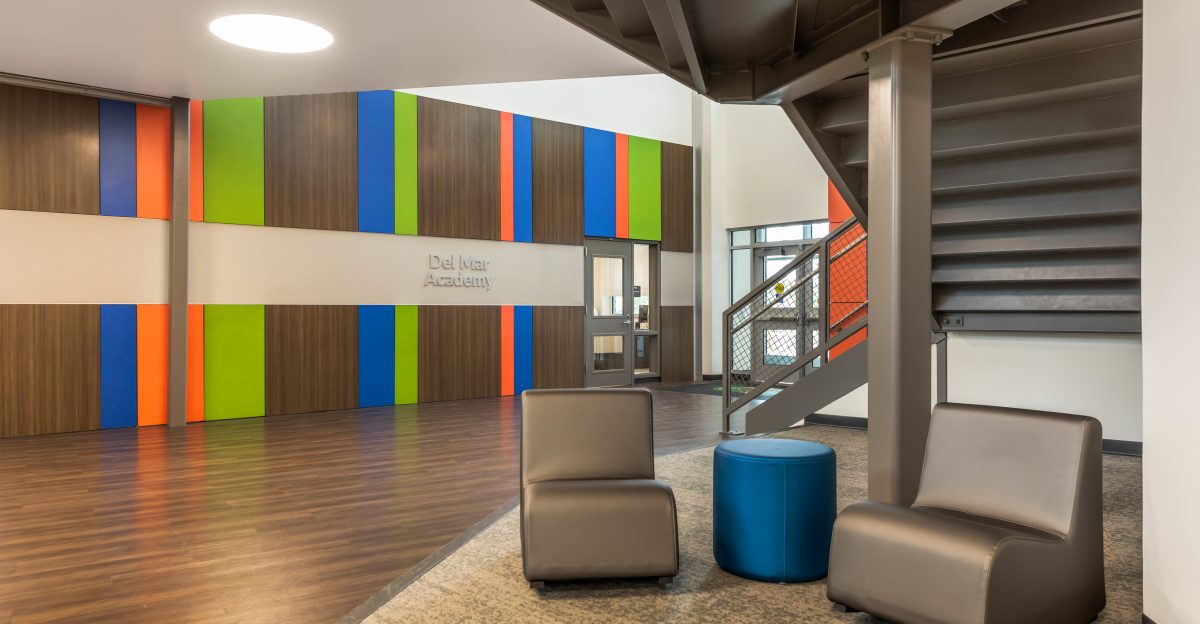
[
  {"x": 196, "y": 162},
  {"x": 622, "y": 186},
  {"x": 152, "y": 363},
  {"x": 195, "y": 363},
  {"x": 153, "y": 161},
  {"x": 506, "y": 177},
  {"x": 506, "y": 351},
  {"x": 839, "y": 210}
]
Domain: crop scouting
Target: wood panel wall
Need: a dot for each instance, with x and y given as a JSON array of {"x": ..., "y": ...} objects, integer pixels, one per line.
[
  {"x": 458, "y": 170},
  {"x": 49, "y": 369},
  {"x": 311, "y": 358},
  {"x": 49, "y": 151},
  {"x": 311, "y": 161},
  {"x": 557, "y": 183},
  {"x": 558, "y": 347},
  {"x": 678, "y": 342},
  {"x": 459, "y": 352},
  {"x": 678, "y": 207}
]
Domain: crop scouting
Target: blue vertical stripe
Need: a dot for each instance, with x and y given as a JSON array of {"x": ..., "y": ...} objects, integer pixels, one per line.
[
  {"x": 599, "y": 183},
  {"x": 522, "y": 349},
  {"x": 376, "y": 162},
  {"x": 118, "y": 158},
  {"x": 376, "y": 355},
  {"x": 522, "y": 179},
  {"x": 118, "y": 366}
]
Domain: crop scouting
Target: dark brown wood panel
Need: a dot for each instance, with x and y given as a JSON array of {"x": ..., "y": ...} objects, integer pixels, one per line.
[
  {"x": 293, "y": 519},
  {"x": 458, "y": 170},
  {"x": 678, "y": 342},
  {"x": 311, "y": 358},
  {"x": 49, "y": 151},
  {"x": 678, "y": 207},
  {"x": 311, "y": 161},
  {"x": 557, "y": 347},
  {"x": 458, "y": 352},
  {"x": 557, "y": 183},
  {"x": 49, "y": 369}
]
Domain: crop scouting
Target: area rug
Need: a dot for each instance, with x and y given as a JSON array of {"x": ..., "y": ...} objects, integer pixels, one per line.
[{"x": 482, "y": 581}]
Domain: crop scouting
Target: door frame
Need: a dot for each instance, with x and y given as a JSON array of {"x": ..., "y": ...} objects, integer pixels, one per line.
[{"x": 620, "y": 324}]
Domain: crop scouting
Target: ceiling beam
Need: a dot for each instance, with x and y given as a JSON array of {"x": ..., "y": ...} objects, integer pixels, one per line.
[
  {"x": 687, "y": 40},
  {"x": 601, "y": 25}
]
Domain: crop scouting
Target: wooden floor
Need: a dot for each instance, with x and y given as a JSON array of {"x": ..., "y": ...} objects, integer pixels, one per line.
[{"x": 282, "y": 519}]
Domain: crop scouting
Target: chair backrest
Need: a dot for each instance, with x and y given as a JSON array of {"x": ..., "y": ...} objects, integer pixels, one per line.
[
  {"x": 1022, "y": 466},
  {"x": 586, "y": 434}
]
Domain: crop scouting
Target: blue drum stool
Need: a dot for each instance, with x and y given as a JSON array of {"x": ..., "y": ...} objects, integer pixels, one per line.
[{"x": 774, "y": 502}]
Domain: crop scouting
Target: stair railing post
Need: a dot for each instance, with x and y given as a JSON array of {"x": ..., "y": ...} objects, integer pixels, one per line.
[{"x": 899, "y": 187}]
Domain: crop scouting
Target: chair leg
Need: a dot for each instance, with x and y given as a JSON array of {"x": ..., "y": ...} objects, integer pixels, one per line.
[
  {"x": 665, "y": 582},
  {"x": 841, "y": 608}
]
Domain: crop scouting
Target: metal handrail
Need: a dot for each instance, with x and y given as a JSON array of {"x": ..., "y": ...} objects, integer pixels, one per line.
[
  {"x": 805, "y": 254},
  {"x": 825, "y": 341}
]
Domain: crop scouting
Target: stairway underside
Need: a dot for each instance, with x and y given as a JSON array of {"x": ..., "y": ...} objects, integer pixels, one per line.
[{"x": 1036, "y": 179}]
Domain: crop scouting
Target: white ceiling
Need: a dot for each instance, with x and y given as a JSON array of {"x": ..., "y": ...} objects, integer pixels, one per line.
[{"x": 163, "y": 47}]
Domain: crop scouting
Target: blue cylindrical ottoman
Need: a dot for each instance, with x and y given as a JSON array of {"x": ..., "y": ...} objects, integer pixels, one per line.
[{"x": 774, "y": 502}]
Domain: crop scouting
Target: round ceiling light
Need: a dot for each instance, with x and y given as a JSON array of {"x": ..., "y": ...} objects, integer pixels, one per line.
[{"x": 271, "y": 33}]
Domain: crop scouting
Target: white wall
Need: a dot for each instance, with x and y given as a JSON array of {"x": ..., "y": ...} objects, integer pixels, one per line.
[
  {"x": 50, "y": 257},
  {"x": 756, "y": 170},
  {"x": 773, "y": 176},
  {"x": 1170, "y": 333},
  {"x": 1096, "y": 375},
  {"x": 651, "y": 106}
]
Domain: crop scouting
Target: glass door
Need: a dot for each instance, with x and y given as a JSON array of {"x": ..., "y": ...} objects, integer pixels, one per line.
[{"x": 609, "y": 299}]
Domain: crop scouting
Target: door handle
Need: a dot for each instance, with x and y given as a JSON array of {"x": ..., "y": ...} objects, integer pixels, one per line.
[{"x": 627, "y": 322}]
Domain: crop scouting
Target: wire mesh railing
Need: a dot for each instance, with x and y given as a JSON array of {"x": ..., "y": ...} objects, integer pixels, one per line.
[{"x": 796, "y": 319}]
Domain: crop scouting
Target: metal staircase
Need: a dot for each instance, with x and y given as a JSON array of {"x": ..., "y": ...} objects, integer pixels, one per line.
[
  {"x": 801, "y": 333},
  {"x": 1036, "y": 178},
  {"x": 1036, "y": 134}
]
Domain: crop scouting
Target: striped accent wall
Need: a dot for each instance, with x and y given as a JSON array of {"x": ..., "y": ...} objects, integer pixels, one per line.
[
  {"x": 516, "y": 349},
  {"x": 509, "y": 177}
]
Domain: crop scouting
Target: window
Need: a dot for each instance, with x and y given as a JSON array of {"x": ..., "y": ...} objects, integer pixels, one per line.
[{"x": 757, "y": 253}]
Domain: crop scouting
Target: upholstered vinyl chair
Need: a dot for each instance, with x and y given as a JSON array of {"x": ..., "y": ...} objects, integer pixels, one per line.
[
  {"x": 1006, "y": 526},
  {"x": 590, "y": 507}
]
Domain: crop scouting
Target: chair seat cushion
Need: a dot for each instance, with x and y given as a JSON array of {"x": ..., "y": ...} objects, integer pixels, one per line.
[
  {"x": 599, "y": 529},
  {"x": 918, "y": 564}
]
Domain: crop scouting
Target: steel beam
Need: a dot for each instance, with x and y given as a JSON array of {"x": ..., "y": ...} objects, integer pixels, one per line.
[
  {"x": 827, "y": 148},
  {"x": 177, "y": 295},
  {"x": 899, "y": 178}
]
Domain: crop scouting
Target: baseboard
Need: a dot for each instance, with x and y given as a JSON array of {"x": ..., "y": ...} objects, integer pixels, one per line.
[
  {"x": 1112, "y": 447},
  {"x": 710, "y": 377},
  {"x": 1123, "y": 447},
  {"x": 829, "y": 420},
  {"x": 647, "y": 379}
]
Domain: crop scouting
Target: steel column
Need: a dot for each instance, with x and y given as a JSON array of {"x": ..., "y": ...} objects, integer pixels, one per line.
[
  {"x": 899, "y": 273},
  {"x": 178, "y": 286}
]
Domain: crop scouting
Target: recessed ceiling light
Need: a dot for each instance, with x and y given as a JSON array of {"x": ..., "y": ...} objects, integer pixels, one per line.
[{"x": 271, "y": 33}]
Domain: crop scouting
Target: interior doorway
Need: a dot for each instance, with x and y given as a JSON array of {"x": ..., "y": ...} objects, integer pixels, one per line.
[{"x": 621, "y": 327}]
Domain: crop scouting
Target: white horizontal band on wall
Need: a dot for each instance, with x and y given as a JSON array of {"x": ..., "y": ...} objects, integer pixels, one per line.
[
  {"x": 676, "y": 272},
  {"x": 288, "y": 266},
  {"x": 59, "y": 258}
]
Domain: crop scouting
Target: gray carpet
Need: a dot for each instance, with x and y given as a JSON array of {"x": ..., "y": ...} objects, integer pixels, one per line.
[{"x": 482, "y": 582}]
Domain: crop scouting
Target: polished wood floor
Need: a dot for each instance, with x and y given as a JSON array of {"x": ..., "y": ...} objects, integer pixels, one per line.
[{"x": 281, "y": 519}]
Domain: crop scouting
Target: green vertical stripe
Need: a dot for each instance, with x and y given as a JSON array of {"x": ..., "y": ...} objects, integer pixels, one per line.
[
  {"x": 406, "y": 354},
  {"x": 645, "y": 189},
  {"x": 406, "y": 163},
  {"x": 233, "y": 161},
  {"x": 234, "y": 361}
]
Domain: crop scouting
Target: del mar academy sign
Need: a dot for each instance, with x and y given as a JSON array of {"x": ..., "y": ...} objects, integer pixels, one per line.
[{"x": 459, "y": 271}]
